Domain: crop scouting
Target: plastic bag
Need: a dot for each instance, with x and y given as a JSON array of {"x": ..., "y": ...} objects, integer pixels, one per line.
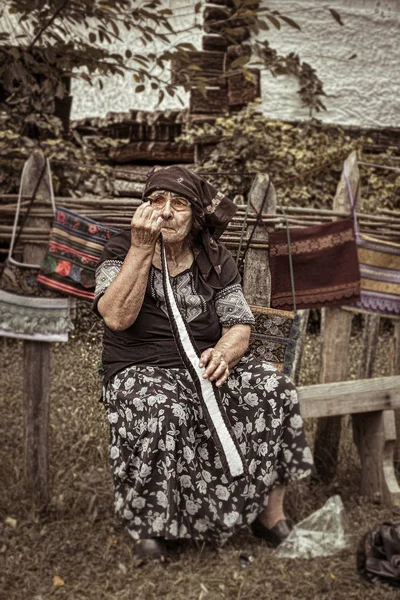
[{"x": 320, "y": 534}]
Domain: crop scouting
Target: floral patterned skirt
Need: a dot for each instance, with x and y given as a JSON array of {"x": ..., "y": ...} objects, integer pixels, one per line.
[{"x": 168, "y": 476}]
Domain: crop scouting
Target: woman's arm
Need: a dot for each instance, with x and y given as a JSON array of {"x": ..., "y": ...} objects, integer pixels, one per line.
[
  {"x": 226, "y": 353},
  {"x": 123, "y": 299}
]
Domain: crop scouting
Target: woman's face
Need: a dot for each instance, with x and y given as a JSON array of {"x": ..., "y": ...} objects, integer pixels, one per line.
[{"x": 176, "y": 213}]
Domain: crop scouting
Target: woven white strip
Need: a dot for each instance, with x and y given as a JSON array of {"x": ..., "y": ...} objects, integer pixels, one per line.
[{"x": 232, "y": 455}]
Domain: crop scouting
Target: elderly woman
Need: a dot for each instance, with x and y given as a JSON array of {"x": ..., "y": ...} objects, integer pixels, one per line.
[{"x": 204, "y": 437}]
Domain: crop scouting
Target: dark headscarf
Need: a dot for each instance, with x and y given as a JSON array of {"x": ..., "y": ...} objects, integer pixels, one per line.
[{"x": 212, "y": 211}]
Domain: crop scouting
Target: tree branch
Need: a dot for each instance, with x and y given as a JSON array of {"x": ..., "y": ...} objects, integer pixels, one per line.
[{"x": 47, "y": 25}]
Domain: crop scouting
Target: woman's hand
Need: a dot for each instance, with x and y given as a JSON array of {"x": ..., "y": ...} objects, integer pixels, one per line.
[
  {"x": 146, "y": 226},
  {"x": 217, "y": 368}
]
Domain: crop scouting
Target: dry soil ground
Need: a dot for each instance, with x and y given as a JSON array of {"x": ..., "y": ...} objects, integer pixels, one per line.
[{"x": 78, "y": 551}]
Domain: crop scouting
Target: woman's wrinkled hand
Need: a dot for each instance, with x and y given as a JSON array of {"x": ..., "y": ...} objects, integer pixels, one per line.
[
  {"x": 216, "y": 366},
  {"x": 146, "y": 226}
]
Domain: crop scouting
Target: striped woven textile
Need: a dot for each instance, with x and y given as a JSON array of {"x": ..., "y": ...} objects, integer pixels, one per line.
[
  {"x": 380, "y": 276},
  {"x": 74, "y": 249}
]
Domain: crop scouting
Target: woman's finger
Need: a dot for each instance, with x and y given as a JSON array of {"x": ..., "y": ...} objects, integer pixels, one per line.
[
  {"x": 214, "y": 364},
  {"x": 218, "y": 371},
  {"x": 222, "y": 379},
  {"x": 205, "y": 357}
]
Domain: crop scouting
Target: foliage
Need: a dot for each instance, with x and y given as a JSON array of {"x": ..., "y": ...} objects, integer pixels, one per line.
[
  {"x": 304, "y": 160},
  {"x": 47, "y": 44},
  {"x": 259, "y": 19},
  {"x": 310, "y": 86}
]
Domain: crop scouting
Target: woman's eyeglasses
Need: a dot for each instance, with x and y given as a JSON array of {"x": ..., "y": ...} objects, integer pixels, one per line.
[{"x": 158, "y": 201}]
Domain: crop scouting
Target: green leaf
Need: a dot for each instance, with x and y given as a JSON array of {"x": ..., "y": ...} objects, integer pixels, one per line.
[
  {"x": 92, "y": 37},
  {"x": 139, "y": 88},
  {"x": 336, "y": 16},
  {"x": 115, "y": 28},
  {"x": 128, "y": 54},
  {"x": 262, "y": 25},
  {"x": 274, "y": 21},
  {"x": 197, "y": 7},
  {"x": 240, "y": 62},
  {"x": 160, "y": 97},
  {"x": 290, "y": 22}
]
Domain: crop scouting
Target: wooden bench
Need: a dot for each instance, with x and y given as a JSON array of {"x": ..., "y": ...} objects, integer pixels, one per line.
[
  {"x": 374, "y": 401},
  {"x": 371, "y": 402}
]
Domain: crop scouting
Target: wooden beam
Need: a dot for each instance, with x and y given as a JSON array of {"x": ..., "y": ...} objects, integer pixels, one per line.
[
  {"x": 215, "y": 43},
  {"x": 350, "y": 397},
  {"x": 301, "y": 342},
  {"x": 365, "y": 371},
  {"x": 169, "y": 152},
  {"x": 242, "y": 91},
  {"x": 335, "y": 348},
  {"x": 376, "y": 447},
  {"x": 216, "y": 100},
  {"x": 396, "y": 371},
  {"x": 36, "y": 392},
  {"x": 210, "y": 63}
]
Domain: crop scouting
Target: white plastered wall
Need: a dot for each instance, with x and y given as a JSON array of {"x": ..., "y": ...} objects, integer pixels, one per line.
[
  {"x": 118, "y": 93},
  {"x": 364, "y": 91}
]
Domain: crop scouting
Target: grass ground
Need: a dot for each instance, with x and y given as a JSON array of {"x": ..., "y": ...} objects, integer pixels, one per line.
[{"x": 79, "y": 552}]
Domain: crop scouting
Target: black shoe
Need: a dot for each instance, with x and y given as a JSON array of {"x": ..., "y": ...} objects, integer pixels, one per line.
[
  {"x": 151, "y": 550},
  {"x": 274, "y": 536}
]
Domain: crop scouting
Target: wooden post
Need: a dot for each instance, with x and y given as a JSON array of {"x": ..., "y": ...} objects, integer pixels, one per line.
[
  {"x": 257, "y": 275},
  {"x": 335, "y": 346},
  {"x": 396, "y": 371},
  {"x": 36, "y": 363},
  {"x": 367, "y": 361},
  {"x": 301, "y": 342}
]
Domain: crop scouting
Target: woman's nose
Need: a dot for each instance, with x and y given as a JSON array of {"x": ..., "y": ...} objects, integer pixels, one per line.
[{"x": 166, "y": 212}]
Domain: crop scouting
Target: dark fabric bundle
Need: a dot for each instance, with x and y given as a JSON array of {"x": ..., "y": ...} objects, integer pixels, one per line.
[
  {"x": 274, "y": 337},
  {"x": 73, "y": 252},
  {"x": 325, "y": 266},
  {"x": 378, "y": 554}
]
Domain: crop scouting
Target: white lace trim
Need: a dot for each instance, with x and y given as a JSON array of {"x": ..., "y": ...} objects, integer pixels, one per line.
[
  {"x": 232, "y": 308},
  {"x": 190, "y": 302},
  {"x": 105, "y": 274}
]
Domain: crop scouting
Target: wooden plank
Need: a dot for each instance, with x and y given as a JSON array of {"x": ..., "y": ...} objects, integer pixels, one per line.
[
  {"x": 36, "y": 395},
  {"x": 216, "y": 100},
  {"x": 210, "y": 63},
  {"x": 257, "y": 275},
  {"x": 237, "y": 32},
  {"x": 349, "y": 397},
  {"x": 377, "y": 440},
  {"x": 242, "y": 91},
  {"x": 368, "y": 354},
  {"x": 169, "y": 152},
  {"x": 214, "y": 43},
  {"x": 396, "y": 371},
  {"x": 335, "y": 347},
  {"x": 36, "y": 421},
  {"x": 304, "y": 316},
  {"x": 128, "y": 188},
  {"x": 216, "y": 13}
]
